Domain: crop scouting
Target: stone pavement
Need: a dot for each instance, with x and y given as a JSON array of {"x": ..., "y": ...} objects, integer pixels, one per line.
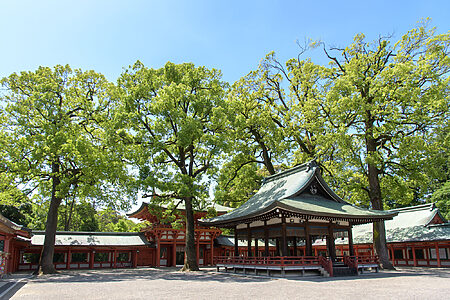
[{"x": 169, "y": 283}]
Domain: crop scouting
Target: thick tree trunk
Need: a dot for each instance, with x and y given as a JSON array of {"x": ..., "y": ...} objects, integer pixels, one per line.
[
  {"x": 190, "y": 260},
  {"x": 46, "y": 261},
  {"x": 379, "y": 232}
]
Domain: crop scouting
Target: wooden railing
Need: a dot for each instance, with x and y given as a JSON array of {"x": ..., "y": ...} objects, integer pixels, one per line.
[
  {"x": 351, "y": 262},
  {"x": 368, "y": 260},
  {"x": 269, "y": 261},
  {"x": 327, "y": 264}
]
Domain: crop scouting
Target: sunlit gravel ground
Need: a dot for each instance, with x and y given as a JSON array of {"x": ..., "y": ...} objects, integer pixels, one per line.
[{"x": 169, "y": 283}]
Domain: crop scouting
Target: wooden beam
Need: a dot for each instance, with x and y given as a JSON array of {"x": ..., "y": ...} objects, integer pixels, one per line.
[
  {"x": 283, "y": 237},
  {"x": 266, "y": 240},
  {"x": 308, "y": 249},
  {"x": 294, "y": 241},
  {"x": 351, "y": 248},
  {"x": 236, "y": 242},
  {"x": 330, "y": 243},
  {"x": 249, "y": 240},
  {"x": 438, "y": 257}
]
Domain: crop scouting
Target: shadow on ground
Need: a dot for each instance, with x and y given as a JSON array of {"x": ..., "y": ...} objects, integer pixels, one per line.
[{"x": 115, "y": 275}]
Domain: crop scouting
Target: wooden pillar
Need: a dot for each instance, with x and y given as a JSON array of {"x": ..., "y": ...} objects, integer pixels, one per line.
[
  {"x": 427, "y": 255},
  {"x": 277, "y": 242},
  {"x": 174, "y": 254},
  {"x": 351, "y": 248},
  {"x": 266, "y": 240},
  {"x": 197, "y": 250},
  {"x": 294, "y": 241},
  {"x": 414, "y": 255},
  {"x": 249, "y": 240},
  {"x": 212, "y": 250},
  {"x": 69, "y": 258},
  {"x": 115, "y": 258},
  {"x": 392, "y": 255},
  {"x": 91, "y": 259},
  {"x": 135, "y": 258},
  {"x": 158, "y": 251},
  {"x": 436, "y": 246},
  {"x": 236, "y": 242},
  {"x": 308, "y": 249},
  {"x": 256, "y": 247},
  {"x": 330, "y": 243},
  {"x": 283, "y": 237}
]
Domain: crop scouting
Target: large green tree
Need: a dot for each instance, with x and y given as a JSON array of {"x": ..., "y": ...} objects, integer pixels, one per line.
[
  {"x": 52, "y": 139},
  {"x": 172, "y": 120},
  {"x": 371, "y": 118},
  {"x": 382, "y": 102}
]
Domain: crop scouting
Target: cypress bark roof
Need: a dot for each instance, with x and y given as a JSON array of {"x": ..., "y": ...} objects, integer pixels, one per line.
[
  {"x": 300, "y": 190},
  {"x": 74, "y": 238}
]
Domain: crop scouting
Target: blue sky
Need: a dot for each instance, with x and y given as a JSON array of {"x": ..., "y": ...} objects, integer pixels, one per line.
[{"x": 229, "y": 35}]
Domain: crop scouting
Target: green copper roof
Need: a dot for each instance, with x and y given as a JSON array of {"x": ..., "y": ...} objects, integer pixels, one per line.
[
  {"x": 301, "y": 190},
  {"x": 314, "y": 204}
]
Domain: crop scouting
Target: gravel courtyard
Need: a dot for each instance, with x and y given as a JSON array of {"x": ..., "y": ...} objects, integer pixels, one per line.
[{"x": 169, "y": 283}]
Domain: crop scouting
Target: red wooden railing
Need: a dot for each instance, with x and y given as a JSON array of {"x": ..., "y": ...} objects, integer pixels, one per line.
[
  {"x": 272, "y": 261},
  {"x": 368, "y": 260},
  {"x": 351, "y": 262},
  {"x": 327, "y": 264}
]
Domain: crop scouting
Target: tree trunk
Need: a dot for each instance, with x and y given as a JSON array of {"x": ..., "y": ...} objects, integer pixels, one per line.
[
  {"x": 46, "y": 261},
  {"x": 190, "y": 260},
  {"x": 379, "y": 232}
]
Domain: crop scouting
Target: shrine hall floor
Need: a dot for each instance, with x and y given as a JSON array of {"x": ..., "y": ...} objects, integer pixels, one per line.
[{"x": 169, "y": 283}]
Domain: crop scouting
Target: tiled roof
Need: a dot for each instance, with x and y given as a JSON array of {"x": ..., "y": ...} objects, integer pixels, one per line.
[
  {"x": 289, "y": 190},
  {"x": 67, "y": 238}
]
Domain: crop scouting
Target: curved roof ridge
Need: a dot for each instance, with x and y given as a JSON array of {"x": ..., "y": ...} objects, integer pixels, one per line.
[
  {"x": 290, "y": 171},
  {"x": 429, "y": 206}
]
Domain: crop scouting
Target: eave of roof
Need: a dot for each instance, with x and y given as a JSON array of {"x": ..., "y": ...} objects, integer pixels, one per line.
[
  {"x": 287, "y": 190},
  {"x": 65, "y": 238}
]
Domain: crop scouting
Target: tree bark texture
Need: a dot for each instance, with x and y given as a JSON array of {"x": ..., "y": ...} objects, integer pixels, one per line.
[
  {"x": 46, "y": 261},
  {"x": 379, "y": 232},
  {"x": 190, "y": 260}
]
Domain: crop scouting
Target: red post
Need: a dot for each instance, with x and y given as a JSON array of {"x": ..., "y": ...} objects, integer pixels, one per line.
[
  {"x": 69, "y": 258},
  {"x": 437, "y": 254},
  {"x": 212, "y": 251},
  {"x": 91, "y": 259},
  {"x": 115, "y": 258},
  {"x": 174, "y": 253},
  {"x": 427, "y": 256},
  {"x": 392, "y": 255},
  {"x": 414, "y": 256},
  {"x": 158, "y": 252}
]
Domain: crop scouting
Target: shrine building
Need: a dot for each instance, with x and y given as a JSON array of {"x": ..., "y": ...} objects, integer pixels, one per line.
[{"x": 295, "y": 222}]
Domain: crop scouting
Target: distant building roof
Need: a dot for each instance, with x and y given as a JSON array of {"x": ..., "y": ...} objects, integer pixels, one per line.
[
  {"x": 225, "y": 240},
  {"x": 70, "y": 238},
  {"x": 8, "y": 226},
  {"x": 301, "y": 190},
  {"x": 413, "y": 223},
  {"x": 219, "y": 208}
]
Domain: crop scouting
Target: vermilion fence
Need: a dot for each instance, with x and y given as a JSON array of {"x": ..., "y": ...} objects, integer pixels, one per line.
[{"x": 269, "y": 261}]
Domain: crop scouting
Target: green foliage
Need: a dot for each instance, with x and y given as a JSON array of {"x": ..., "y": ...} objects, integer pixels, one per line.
[
  {"x": 171, "y": 120},
  {"x": 55, "y": 118}
]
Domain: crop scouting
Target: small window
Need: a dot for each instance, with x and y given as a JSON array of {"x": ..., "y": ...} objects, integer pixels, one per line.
[
  {"x": 101, "y": 257},
  {"x": 79, "y": 257},
  {"x": 30, "y": 258},
  {"x": 2, "y": 245},
  {"x": 419, "y": 254},
  {"x": 59, "y": 257},
  {"x": 398, "y": 253},
  {"x": 123, "y": 257}
]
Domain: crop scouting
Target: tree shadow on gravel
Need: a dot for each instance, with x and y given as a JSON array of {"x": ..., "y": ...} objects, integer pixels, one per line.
[
  {"x": 112, "y": 275},
  {"x": 151, "y": 274}
]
